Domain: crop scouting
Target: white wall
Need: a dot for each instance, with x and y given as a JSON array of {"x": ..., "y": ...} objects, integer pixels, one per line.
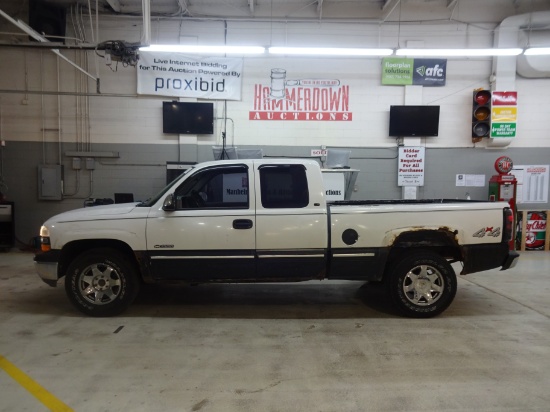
[{"x": 137, "y": 120}]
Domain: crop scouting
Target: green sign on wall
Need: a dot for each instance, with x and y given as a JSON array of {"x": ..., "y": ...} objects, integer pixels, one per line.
[
  {"x": 503, "y": 129},
  {"x": 397, "y": 71}
]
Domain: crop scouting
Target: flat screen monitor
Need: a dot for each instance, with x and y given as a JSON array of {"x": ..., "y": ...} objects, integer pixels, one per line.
[
  {"x": 414, "y": 121},
  {"x": 187, "y": 118}
]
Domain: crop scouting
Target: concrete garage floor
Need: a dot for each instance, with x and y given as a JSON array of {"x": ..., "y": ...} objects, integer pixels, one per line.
[{"x": 315, "y": 346}]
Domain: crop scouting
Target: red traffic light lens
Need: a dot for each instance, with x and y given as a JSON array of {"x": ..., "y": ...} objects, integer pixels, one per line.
[{"x": 482, "y": 97}]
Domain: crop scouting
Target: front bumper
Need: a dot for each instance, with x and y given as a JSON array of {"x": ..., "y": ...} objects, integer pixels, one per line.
[
  {"x": 47, "y": 272},
  {"x": 46, "y": 265}
]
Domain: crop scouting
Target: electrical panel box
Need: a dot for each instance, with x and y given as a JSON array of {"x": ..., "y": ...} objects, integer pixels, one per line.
[
  {"x": 77, "y": 163},
  {"x": 90, "y": 163},
  {"x": 50, "y": 182}
]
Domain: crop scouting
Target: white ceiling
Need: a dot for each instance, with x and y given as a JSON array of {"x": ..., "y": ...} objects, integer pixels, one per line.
[
  {"x": 468, "y": 11},
  {"x": 380, "y": 11}
]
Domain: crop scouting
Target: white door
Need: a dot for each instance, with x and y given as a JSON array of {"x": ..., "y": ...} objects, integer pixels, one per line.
[
  {"x": 211, "y": 234},
  {"x": 291, "y": 223}
]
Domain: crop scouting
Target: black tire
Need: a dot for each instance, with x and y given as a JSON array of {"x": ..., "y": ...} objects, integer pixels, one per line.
[
  {"x": 101, "y": 282},
  {"x": 422, "y": 284}
]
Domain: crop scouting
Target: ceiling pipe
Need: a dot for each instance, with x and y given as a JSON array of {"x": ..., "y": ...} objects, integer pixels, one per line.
[{"x": 146, "y": 10}]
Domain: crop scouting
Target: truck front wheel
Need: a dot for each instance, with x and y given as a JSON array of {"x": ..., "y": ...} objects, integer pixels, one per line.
[
  {"x": 101, "y": 282},
  {"x": 422, "y": 284}
]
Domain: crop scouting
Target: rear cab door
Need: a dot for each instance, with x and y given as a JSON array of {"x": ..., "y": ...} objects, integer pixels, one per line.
[{"x": 291, "y": 220}]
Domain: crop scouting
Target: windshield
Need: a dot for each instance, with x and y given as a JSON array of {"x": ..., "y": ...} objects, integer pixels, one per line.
[{"x": 152, "y": 200}]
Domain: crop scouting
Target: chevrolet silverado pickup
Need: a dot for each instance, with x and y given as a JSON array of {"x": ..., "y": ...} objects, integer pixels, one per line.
[{"x": 267, "y": 220}]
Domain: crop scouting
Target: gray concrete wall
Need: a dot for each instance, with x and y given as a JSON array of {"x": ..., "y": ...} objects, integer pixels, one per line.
[{"x": 141, "y": 170}]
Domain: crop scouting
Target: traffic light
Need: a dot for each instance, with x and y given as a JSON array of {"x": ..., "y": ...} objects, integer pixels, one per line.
[{"x": 481, "y": 114}]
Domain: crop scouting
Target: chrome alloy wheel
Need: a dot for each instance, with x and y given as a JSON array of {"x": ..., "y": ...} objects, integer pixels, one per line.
[
  {"x": 99, "y": 283},
  {"x": 423, "y": 285}
]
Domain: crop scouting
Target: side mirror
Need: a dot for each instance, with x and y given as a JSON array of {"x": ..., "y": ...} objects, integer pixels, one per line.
[{"x": 169, "y": 205}]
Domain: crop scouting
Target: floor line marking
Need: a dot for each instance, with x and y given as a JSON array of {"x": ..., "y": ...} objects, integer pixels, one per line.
[{"x": 35, "y": 389}]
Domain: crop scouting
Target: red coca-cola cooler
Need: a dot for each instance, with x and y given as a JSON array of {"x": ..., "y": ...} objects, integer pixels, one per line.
[{"x": 535, "y": 232}]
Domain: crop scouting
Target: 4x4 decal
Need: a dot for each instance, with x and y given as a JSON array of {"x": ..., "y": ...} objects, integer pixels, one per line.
[{"x": 489, "y": 231}]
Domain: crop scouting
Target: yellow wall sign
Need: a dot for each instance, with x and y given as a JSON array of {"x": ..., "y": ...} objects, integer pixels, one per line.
[{"x": 504, "y": 114}]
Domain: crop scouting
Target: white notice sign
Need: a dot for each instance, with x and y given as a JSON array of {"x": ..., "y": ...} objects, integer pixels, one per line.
[
  {"x": 533, "y": 182},
  {"x": 470, "y": 180},
  {"x": 410, "y": 167}
]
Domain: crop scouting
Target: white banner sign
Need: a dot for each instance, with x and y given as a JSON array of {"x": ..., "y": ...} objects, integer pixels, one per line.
[
  {"x": 178, "y": 75},
  {"x": 410, "y": 168}
]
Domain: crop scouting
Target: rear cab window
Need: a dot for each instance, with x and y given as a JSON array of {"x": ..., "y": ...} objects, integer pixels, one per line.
[{"x": 283, "y": 186}]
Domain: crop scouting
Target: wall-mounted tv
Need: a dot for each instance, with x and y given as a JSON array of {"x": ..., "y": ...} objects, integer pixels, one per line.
[
  {"x": 414, "y": 121},
  {"x": 187, "y": 118}
]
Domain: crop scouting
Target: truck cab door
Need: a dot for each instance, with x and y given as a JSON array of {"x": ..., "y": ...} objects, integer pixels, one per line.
[
  {"x": 291, "y": 223},
  {"x": 208, "y": 233}
]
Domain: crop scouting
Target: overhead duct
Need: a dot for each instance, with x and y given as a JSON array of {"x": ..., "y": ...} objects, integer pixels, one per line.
[
  {"x": 524, "y": 30},
  {"x": 535, "y": 67}
]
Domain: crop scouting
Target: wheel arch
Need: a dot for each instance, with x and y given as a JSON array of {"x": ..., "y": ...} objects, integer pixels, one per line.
[
  {"x": 72, "y": 249},
  {"x": 441, "y": 240}
]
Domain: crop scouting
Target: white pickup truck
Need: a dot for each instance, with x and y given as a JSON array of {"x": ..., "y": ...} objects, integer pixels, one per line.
[{"x": 267, "y": 220}]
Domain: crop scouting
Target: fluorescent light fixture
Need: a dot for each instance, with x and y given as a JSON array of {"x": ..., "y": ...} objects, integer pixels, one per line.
[
  {"x": 180, "y": 48},
  {"x": 458, "y": 52},
  {"x": 537, "y": 51},
  {"x": 329, "y": 51}
]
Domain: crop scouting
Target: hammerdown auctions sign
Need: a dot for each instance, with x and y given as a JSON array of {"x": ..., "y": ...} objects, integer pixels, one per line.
[{"x": 178, "y": 75}]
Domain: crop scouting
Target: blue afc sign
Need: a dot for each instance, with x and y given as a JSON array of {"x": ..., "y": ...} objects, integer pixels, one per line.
[{"x": 429, "y": 72}]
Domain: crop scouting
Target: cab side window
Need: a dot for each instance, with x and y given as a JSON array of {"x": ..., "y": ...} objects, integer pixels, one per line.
[
  {"x": 284, "y": 186},
  {"x": 215, "y": 188}
]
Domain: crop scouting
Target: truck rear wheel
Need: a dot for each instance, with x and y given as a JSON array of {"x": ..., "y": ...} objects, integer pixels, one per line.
[
  {"x": 422, "y": 284},
  {"x": 101, "y": 282}
]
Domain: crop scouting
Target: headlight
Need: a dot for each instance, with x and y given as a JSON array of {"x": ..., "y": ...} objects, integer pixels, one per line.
[{"x": 45, "y": 245}]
